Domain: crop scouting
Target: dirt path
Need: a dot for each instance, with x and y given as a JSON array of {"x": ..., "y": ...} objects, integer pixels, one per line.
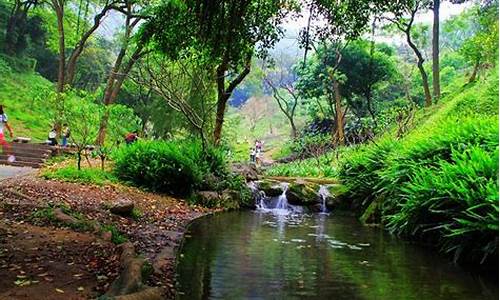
[
  {"x": 53, "y": 263},
  {"x": 40, "y": 258}
]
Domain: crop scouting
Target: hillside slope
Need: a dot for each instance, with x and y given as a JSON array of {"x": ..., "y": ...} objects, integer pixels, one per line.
[
  {"x": 438, "y": 184},
  {"x": 25, "y": 96}
]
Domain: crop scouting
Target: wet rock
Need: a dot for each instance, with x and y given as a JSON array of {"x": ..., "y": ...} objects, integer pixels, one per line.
[
  {"x": 130, "y": 279},
  {"x": 146, "y": 294},
  {"x": 334, "y": 199},
  {"x": 271, "y": 188},
  {"x": 231, "y": 199},
  {"x": 122, "y": 207},
  {"x": 302, "y": 193},
  {"x": 164, "y": 259},
  {"x": 249, "y": 171}
]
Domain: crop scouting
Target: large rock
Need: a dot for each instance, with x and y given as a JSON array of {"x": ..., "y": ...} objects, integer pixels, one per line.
[
  {"x": 249, "y": 171},
  {"x": 334, "y": 199},
  {"x": 301, "y": 192},
  {"x": 122, "y": 207},
  {"x": 231, "y": 199},
  {"x": 271, "y": 188},
  {"x": 208, "y": 198}
]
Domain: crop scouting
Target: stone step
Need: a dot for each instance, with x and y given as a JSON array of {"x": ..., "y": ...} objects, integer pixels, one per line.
[
  {"x": 43, "y": 155},
  {"x": 4, "y": 157},
  {"x": 21, "y": 164},
  {"x": 33, "y": 146}
]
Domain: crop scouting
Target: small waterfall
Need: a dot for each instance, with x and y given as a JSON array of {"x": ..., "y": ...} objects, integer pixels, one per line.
[
  {"x": 282, "y": 200},
  {"x": 323, "y": 194},
  {"x": 258, "y": 195}
]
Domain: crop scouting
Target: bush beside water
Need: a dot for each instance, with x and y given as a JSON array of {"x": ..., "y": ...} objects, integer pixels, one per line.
[{"x": 177, "y": 168}]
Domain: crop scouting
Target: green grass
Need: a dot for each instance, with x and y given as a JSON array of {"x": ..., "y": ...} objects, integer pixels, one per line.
[
  {"x": 85, "y": 175},
  {"x": 24, "y": 96},
  {"x": 116, "y": 236},
  {"x": 322, "y": 167}
]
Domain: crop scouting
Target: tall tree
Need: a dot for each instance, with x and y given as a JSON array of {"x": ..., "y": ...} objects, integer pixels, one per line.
[
  {"x": 129, "y": 53},
  {"x": 436, "y": 81},
  {"x": 67, "y": 66},
  {"x": 15, "y": 33},
  {"x": 286, "y": 95},
  {"x": 402, "y": 14},
  {"x": 229, "y": 33},
  {"x": 336, "y": 23}
]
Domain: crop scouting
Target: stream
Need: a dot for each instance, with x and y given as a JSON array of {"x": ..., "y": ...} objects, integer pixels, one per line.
[{"x": 281, "y": 253}]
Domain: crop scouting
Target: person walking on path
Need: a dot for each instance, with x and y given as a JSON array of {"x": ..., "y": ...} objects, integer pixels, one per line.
[{"x": 3, "y": 141}]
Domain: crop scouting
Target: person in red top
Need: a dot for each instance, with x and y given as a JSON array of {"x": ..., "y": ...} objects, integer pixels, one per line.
[
  {"x": 3, "y": 142},
  {"x": 131, "y": 137}
]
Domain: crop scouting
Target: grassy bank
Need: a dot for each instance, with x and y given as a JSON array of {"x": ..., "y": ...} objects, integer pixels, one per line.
[
  {"x": 22, "y": 94},
  {"x": 439, "y": 184}
]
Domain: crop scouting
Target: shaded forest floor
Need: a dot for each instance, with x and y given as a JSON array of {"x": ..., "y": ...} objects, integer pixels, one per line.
[{"x": 44, "y": 258}]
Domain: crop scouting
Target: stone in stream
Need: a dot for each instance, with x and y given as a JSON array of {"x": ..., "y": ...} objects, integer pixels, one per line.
[
  {"x": 271, "y": 188},
  {"x": 249, "y": 171},
  {"x": 122, "y": 207},
  {"x": 303, "y": 193}
]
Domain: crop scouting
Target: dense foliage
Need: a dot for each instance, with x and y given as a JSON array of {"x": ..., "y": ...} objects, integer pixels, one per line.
[
  {"x": 439, "y": 183},
  {"x": 178, "y": 168}
]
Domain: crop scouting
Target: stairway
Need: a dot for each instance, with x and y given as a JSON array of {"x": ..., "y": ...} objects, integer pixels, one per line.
[{"x": 27, "y": 154}]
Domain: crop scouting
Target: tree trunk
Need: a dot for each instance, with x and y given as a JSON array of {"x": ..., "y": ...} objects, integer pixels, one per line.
[
  {"x": 101, "y": 136},
  {"x": 62, "y": 58},
  {"x": 113, "y": 86},
  {"x": 420, "y": 65},
  {"x": 219, "y": 117},
  {"x": 294, "y": 128},
  {"x": 339, "y": 117},
  {"x": 77, "y": 51},
  {"x": 224, "y": 93},
  {"x": 79, "y": 159},
  {"x": 473, "y": 76},
  {"x": 436, "y": 85}
]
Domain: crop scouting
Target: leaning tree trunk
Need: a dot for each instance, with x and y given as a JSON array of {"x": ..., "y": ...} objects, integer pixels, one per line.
[
  {"x": 340, "y": 136},
  {"x": 294, "y": 128},
  {"x": 473, "y": 76},
  {"x": 436, "y": 84},
  {"x": 224, "y": 93},
  {"x": 420, "y": 65}
]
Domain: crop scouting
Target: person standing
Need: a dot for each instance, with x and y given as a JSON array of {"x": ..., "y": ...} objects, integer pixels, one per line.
[
  {"x": 3, "y": 141},
  {"x": 66, "y": 133},
  {"x": 252, "y": 155}
]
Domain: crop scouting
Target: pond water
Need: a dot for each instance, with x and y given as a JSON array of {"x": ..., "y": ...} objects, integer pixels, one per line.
[{"x": 264, "y": 255}]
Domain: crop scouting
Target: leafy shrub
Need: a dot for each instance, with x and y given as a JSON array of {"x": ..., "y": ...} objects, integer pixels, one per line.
[
  {"x": 360, "y": 171},
  {"x": 454, "y": 204},
  {"x": 174, "y": 167},
  {"x": 164, "y": 167}
]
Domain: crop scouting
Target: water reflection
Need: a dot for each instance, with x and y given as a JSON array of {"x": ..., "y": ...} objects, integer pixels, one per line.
[{"x": 246, "y": 255}]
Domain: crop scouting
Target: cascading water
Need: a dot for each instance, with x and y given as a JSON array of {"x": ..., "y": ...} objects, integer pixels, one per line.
[
  {"x": 258, "y": 195},
  {"x": 323, "y": 194},
  {"x": 282, "y": 200}
]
